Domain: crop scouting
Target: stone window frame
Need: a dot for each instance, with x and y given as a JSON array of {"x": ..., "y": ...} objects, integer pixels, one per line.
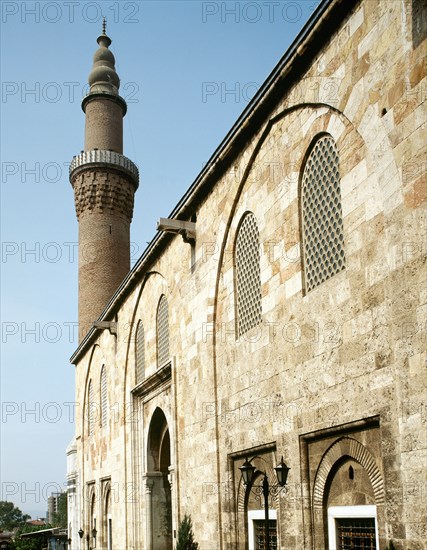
[
  {"x": 91, "y": 500},
  {"x": 308, "y": 285},
  {"x": 162, "y": 332},
  {"x": 254, "y": 515},
  {"x": 103, "y": 397},
  {"x": 106, "y": 515},
  {"x": 90, "y": 403},
  {"x": 92, "y": 517},
  {"x": 139, "y": 352},
  {"x": 351, "y": 512},
  {"x": 255, "y": 319}
]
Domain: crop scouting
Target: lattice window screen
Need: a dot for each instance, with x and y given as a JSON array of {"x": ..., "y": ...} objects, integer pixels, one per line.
[
  {"x": 247, "y": 261},
  {"x": 162, "y": 332},
  {"x": 140, "y": 353},
  {"x": 104, "y": 397},
  {"x": 323, "y": 236},
  {"x": 90, "y": 408}
]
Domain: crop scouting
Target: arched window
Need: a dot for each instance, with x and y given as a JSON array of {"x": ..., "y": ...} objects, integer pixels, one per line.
[
  {"x": 322, "y": 223},
  {"x": 93, "y": 520},
  {"x": 108, "y": 527},
  {"x": 104, "y": 397},
  {"x": 90, "y": 408},
  {"x": 248, "y": 275},
  {"x": 162, "y": 331},
  {"x": 139, "y": 353}
]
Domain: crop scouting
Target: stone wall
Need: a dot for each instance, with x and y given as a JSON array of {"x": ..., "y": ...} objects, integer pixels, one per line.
[{"x": 343, "y": 361}]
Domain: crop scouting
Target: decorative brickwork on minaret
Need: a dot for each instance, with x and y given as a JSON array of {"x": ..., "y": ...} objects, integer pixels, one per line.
[{"x": 104, "y": 183}]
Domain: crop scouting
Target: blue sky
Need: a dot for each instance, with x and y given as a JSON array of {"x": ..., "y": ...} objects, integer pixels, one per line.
[{"x": 188, "y": 69}]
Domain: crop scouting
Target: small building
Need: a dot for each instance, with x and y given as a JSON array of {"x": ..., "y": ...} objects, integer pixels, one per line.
[{"x": 54, "y": 538}]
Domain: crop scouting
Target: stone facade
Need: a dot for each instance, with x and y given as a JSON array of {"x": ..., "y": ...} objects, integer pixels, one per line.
[{"x": 332, "y": 378}]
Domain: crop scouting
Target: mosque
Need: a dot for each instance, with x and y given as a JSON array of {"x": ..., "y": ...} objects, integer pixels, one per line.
[{"x": 265, "y": 356}]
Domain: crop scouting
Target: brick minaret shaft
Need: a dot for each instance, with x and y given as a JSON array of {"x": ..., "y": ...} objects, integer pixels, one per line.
[{"x": 104, "y": 183}]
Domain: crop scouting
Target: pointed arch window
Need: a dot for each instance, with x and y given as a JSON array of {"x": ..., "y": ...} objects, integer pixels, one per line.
[
  {"x": 108, "y": 527},
  {"x": 93, "y": 520},
  {"x": 322, "y": 219},
  {"x": 90, "y": 407},
  {"x": 139, "y": 353},
  {"x": 248, "y": 275},
  {"x": 104, "y": 397},
  {"x": 162, "y": 331}
]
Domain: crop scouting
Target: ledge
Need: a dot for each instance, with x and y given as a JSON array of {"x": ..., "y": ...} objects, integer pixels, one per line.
[
  {"x": 161, "y": 378},
  {"x": 102, "y": 94},
  {"x": 342, "y": 429},
  {"x": 103, "y": 158}
]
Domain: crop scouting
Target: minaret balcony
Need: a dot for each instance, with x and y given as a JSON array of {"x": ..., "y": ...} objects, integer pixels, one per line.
[{"x": 97, "y": 158}]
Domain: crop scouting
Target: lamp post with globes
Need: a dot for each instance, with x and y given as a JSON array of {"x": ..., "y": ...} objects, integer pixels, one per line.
[{"x": 248, "y": 472}]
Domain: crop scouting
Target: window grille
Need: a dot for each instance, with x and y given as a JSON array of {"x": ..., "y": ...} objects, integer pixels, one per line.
[
  {"x": 162, "y": 332},
  {"x": 247, "y": 261},
  {"x": 260, "y": 535},
  {"x": 104, "y": 397},
  {"x": 90, "y": 408},
  {"x": 356, "y": 534},
  {"x": 323, "y": 235},
  {"x": 140, "y": 353}
]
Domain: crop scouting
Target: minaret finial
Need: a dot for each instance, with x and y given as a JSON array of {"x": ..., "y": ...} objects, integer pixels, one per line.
[{"x": 103, "y": 77}]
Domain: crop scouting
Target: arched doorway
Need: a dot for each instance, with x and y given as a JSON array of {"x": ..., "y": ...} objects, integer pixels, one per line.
[{"x": 159, "y": 509}]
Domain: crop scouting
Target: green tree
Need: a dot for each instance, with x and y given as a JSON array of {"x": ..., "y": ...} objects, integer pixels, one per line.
[
  {"x": 60, "y": 518},
  {"x": 11, "y": 516},
  {"x": 185, "y": 540},
  {"x": 30, "y": 543}
]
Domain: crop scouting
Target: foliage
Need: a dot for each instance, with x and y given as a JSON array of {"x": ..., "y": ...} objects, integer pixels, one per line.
[
  {"x": 185, "y": 539},
  {"x": 60, "y": 518},
  {"x": 11, "y": 516},
  {"x": 30, "y": 543}
]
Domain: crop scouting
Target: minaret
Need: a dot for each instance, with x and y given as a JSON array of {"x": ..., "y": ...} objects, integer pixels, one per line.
[{"x": 104, "y": 183}]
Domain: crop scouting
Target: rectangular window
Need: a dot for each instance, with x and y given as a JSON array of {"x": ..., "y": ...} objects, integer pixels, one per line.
[
  {"x": 256, "y": 529},
  {"x": 260, "y": 535},
  {"x": 356, "y": 534},
  {"x": 352, "y": 528}
]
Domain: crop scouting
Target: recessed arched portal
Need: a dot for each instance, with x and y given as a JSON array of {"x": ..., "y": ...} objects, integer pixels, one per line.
[
  {"x": 159, "y": 509},
  {"x": 348, "y": 497},
  {"x": 107, "y": 526}
]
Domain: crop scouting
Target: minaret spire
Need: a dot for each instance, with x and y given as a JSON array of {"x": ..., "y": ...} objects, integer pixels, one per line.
[
  {"x": 104, "y": 183},
  {"x": 104, "y": 25}
]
